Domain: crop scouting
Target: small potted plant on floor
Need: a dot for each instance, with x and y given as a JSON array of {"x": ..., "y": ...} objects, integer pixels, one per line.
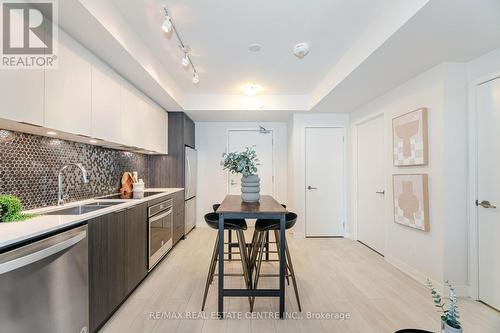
[
  {"x": 449, "y": 317},
  {"x": 244, "y": 163}
]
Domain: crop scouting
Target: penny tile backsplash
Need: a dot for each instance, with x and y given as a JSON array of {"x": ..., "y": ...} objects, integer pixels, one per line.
[{"x": 30, "y": 164}]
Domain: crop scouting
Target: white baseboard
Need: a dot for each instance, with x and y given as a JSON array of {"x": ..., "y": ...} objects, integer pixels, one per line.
[
  {"x": 462, "y": 290},
  {"x": 348, "y": 235}
]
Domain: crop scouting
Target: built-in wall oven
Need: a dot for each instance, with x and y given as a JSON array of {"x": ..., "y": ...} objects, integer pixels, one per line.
[{"x": 160, "y": 218}]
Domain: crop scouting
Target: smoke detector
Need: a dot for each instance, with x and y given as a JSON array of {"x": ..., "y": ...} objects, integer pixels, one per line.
[{"x": 300, "y": 50}]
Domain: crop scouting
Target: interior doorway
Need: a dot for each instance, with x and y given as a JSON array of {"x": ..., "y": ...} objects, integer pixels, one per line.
[
  {"x": 325, "y": 190},
  {"x": 371, "y": 183}
]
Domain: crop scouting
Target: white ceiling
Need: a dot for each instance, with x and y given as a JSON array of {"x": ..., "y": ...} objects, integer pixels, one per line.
[
  {"x": 219, "y": 32},
  {"x": 359, "y": 48}
]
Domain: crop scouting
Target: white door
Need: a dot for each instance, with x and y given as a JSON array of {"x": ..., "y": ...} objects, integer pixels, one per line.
[
  {"x": 371, "y": 183},
  {"x": 324, "y": 182},
  {"x": 263, "y": 141},
  {"x": 488, "y": 177}
]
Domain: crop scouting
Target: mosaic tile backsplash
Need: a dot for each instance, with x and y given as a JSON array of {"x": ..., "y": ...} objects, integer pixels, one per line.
[{"x": 30, "y": 164}]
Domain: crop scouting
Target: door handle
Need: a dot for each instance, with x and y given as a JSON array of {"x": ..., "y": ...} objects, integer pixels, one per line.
[
  {"x": 312, "y": 188},
  {"x": 380, "y": 192},
  {"x": 485, "y": 204}
]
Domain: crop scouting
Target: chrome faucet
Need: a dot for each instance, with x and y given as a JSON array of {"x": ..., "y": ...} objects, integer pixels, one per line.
[{"x": 60, "y": 199}]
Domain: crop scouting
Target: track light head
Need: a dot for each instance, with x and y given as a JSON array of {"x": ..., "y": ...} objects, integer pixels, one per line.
[
  {"x": 196, "y": 78},
  {"x": 167, "y": 24},
  {"x": 185, "y": 60}
]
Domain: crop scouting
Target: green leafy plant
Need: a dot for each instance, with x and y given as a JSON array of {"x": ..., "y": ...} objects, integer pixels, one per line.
[
  {"x": 244, "y": 162},
  {"x": 10, "y": 209},
  {"x": 450, "y": 316}
]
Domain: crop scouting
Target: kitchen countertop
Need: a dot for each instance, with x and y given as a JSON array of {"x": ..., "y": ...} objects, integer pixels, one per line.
[{"x": 15, "y": 232}]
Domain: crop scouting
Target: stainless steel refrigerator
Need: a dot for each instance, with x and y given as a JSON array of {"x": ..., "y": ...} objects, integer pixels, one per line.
[{"x": 190, "y": 189}]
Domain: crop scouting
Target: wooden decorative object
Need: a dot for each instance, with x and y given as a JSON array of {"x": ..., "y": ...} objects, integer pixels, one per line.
[
  {"x": 127, "y": 181},
  {"x": 411, "y": 201},
  {"x": 410, "y": 138}
]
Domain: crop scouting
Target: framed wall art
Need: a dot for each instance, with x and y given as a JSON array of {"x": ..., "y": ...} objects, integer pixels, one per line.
[
  {"x": 410, "y": 138},
  {"x": 411, "y": 201}
]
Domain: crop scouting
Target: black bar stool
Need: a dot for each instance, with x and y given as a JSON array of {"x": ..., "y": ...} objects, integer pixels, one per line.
[
  {"x": 238, "y": 225},
  {"x": 267, "y": 251},
  {"x": 229, "y": 243},
  {"x": 262, "y": 228}
]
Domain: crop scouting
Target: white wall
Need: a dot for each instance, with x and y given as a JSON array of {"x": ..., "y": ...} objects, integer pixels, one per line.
[
  {"x": 296, "y": 158},
  {"x": 442, "y": 90},
  {"x": 211, "y": 141},
  {"x": 485, "y": 65}
]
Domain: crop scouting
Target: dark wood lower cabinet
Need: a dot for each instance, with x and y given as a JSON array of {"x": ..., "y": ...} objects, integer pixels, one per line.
[
  {"x": 106, "y": 266},
  {"x": 118, "y": 255},
  {"x": 136, "y": 244},
  {"x": 178, "y": 228},
  {"x": 117, "y": 259}
]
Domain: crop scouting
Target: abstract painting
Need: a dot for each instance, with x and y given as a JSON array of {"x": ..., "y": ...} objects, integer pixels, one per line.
[
  {"x": 411, "y": 201},
  {"x": 409, "y": 133}
]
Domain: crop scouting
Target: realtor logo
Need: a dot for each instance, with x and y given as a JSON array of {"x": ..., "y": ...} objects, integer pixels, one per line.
[{"x": 28, "y": 34}]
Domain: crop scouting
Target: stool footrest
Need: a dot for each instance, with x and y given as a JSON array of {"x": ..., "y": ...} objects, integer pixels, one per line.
[{"x": 251, "y": 292}]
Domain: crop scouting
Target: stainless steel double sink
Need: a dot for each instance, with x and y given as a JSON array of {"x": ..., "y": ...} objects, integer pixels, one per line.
[{"x": 84, "y": 209}]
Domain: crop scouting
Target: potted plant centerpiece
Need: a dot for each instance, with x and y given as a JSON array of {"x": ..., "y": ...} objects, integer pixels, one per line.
[
  {"x": 244, "y": 163},
  {"x": 449, "y": 317}
]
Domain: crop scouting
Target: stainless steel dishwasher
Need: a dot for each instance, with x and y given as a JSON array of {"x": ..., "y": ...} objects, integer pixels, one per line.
[{"x": 44, "y": 285}]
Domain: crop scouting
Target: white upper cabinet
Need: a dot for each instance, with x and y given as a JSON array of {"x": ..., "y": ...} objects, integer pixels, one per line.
[
  {"x": 68, "y": 89},
  {"x": 86, "y": 97},
  {"x": 106, "y": 100},
  {"x": 21, "y": 95},
  {"x": 159, "y": 126},
  {"x": 131, "y": 130},
  {"x": 144, "y": 124}
]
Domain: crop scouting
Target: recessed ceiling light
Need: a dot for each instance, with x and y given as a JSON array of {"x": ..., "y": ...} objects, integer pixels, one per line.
[
  {"x": 93, "y": 141},
  {"x": 254, "y": 47},
  {"x": 51, "y": 133},
  {"x": 251, "y": 89}
]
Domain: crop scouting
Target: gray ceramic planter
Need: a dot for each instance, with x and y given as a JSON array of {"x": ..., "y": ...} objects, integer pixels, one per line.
[{"x": 250, "y": 188}]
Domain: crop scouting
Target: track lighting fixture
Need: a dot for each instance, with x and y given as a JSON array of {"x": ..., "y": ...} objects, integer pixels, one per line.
[
  {"x": 196, "y": 78},
  {"x": 169, "y": 26},
  {"x": 185, "y": 60}
]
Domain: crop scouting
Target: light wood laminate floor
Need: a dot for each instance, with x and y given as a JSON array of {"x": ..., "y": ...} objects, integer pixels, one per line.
[{"x": 334, "y": 276}]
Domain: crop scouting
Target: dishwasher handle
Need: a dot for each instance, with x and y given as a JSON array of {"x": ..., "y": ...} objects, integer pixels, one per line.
[{"x": 41, "y": 254}]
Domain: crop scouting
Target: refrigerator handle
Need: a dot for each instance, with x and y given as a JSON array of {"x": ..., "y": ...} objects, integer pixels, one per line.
[{"x": 188, "y": 182}]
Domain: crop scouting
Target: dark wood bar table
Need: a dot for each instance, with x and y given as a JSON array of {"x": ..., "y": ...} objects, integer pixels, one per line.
[{"x": 267, "y": 208}]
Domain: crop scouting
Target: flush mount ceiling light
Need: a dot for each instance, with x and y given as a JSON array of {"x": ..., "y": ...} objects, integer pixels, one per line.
[
  {"x": 169, "y": 26},
  {"x": 300, "y": 50},
  {"x": 254, "y": 47},
  {"x": 251, "y": 89}
]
